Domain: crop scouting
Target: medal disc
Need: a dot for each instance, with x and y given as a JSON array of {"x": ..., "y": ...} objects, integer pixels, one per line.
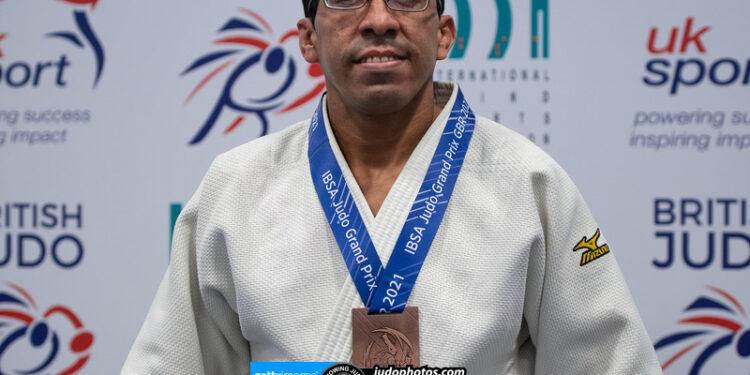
[{"x": 385, "y": 339}]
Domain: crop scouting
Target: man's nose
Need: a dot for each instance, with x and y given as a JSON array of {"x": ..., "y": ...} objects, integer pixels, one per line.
[{"x": 378, "y": 19}]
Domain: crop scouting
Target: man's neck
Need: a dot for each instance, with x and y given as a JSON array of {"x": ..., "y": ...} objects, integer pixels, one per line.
[{"x": 377, "y": 146}]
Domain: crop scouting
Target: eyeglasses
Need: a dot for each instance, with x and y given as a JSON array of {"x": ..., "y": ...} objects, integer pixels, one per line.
[{"x": 400, "y": 5}]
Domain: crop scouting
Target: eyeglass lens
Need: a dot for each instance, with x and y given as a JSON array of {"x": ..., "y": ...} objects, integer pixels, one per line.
[{"x": 407, "y": 5}]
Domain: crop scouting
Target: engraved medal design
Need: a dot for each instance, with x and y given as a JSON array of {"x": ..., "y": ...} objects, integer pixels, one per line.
[{"x": 385, "y": 339}]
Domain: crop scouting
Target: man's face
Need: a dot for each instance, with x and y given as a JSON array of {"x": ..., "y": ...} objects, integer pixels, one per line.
[{"x": 376, "y": 60}]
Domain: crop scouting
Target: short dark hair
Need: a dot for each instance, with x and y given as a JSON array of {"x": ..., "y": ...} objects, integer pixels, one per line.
[{"x": 311, "y": 7}]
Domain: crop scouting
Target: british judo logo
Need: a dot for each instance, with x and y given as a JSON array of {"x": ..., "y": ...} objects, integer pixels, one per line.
[
  {"x": 30, "y": 341},
  {"x": 250, "y": 51},
  {"x": 715, "y": 317}
]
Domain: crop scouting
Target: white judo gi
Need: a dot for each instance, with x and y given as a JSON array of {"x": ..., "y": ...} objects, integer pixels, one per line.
[{"x": 256, "y": 273}]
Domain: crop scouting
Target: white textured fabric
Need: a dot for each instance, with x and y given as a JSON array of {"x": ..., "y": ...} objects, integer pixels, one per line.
[{"x": 256, "y": 273}]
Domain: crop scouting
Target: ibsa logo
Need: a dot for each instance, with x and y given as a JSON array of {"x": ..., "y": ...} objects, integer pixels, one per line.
[
  {"x": 711, "y": 324},
  {"x": 18, "y": 74},
  {"x": 682, "y": 67},
  {"x": 174, "y": 214},
  {"x": 262, "y": 72},
  {"x": 35, "y": 342},
  {"x": 539, "y": 38}
]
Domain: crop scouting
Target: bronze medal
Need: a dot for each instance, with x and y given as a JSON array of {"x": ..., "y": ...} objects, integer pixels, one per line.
[{"x": 385, "y": 339}]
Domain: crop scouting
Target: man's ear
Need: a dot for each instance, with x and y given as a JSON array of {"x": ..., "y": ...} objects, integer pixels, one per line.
[
  {"x": 307, "y": 40},
  {"x": 446, "y": 36}
]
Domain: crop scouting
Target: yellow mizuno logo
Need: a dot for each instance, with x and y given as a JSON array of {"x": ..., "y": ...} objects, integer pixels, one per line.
[
  {"x": 588, "y": 244},
  {"x": 594, "y": 251}
]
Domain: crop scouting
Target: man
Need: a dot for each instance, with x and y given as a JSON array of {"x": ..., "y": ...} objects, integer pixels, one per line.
[{"x": 516, "y": 280}]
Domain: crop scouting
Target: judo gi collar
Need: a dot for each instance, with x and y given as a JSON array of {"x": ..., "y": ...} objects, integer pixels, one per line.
[{"x": 387, "y": 289}]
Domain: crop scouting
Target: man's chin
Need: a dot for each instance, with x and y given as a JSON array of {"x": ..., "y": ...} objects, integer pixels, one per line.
[{"x": 382, "y": 99}]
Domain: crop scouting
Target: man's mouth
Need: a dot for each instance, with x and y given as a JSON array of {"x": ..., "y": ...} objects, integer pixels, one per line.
[
  {"x": 379, "y": 57},
  {"x": 375, "y": 59}
]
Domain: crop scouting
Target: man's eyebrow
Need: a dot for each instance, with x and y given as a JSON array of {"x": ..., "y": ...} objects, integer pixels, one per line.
[{"x": 440, "y": 5}]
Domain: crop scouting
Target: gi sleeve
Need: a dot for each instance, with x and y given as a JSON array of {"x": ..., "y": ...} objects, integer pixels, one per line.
[
  {"x": 191, "y": 328},
  {"x": 580, "y": 314}
]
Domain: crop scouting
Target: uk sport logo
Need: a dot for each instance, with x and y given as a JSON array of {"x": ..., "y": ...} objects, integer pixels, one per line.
[
  {"x": 84, "y": 36},
  {"x": 262, "y": 71},
  {"x": 713, "y": 323},
  {"x": 21, "y": 74},
  {"x": 34, "y": 342},
  {"x": 680, "y": 59},
  {"x": 538, "y": 39}
]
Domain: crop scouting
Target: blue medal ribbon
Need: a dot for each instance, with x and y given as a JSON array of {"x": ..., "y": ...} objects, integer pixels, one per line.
[{"x": 386, "y": 290}]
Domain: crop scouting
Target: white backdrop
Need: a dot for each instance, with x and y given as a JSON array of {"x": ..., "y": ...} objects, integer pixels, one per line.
[{"x": 97, "y": 116}]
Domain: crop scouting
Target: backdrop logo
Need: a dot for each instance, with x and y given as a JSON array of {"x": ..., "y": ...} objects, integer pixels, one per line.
[
  {"x": 41, "y": 234},
  {"x": 57, "y": 340},
  {"x": 18, "y": 74},
  {"x": 493, "y": 67},
  {"x": 717, "y": 329},
  {"x": 703, "y": 232},
  {"x": 539, "y": 37},
  {"x": 85, "y": 33},
  {"x": 252, "y": 53},
  {"x": 687, "y": 65},
  {"x": 2, "y": 36},
  {"x": 174, "y": 213}
]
